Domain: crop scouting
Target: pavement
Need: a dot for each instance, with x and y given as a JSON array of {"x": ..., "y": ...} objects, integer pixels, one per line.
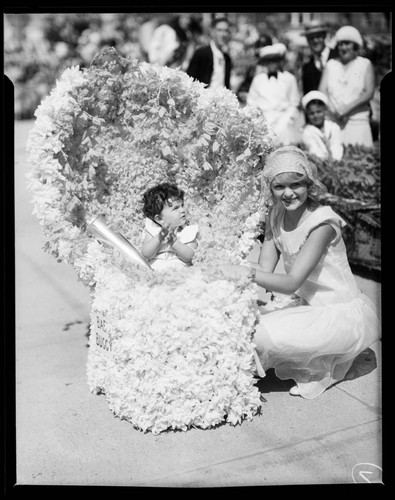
[{"x": 67, "y": 436}]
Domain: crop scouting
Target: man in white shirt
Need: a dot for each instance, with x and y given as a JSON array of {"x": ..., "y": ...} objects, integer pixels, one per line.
[{"x": 211, "y": 64}]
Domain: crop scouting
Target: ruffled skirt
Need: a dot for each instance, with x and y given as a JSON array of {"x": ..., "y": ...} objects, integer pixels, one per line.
[{"x": 315, "y": 345}]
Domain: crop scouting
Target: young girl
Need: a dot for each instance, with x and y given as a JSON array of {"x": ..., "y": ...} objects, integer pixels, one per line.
[
  {"x": 168, "y": 240},
  {"x": 320, "y": 136},
  {"x": 315, "y": 342}
]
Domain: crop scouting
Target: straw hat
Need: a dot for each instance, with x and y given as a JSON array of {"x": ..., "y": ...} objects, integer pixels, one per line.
[{"x": 314, "y": 28}]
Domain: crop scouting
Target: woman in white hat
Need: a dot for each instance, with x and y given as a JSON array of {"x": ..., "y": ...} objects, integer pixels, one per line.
[
  {"x": 321, "y": 137},
  {"x": 276, "y": 93},
  {"x": 349, "y": 83}
]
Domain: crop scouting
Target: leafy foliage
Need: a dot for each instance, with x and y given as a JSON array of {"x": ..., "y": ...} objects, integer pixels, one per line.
[
  {"x": 356, "y": 176},
  {"x": 354, "y": 192}
]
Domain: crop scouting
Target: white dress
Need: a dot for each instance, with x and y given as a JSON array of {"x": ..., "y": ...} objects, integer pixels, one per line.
[
  {"x": 279, "y": 99},
  {"x": 346, "y": 83},
  {"x": 315, "y": 342},
  {"x": 325, "y": 143},
  {"x": 166, "y": 257}
]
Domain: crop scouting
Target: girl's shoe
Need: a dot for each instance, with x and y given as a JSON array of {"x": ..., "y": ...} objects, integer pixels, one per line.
[{"x": 294, "y": 391}]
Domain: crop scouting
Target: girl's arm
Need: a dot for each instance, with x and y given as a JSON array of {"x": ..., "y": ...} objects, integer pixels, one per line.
[
  {"x": 307, "y": 259},
  {"x": 268, "y": 257}
]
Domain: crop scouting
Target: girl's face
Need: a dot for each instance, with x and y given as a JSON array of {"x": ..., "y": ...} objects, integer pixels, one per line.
[
  {"x": 346, "y": 51},
  {"x": 173, "y": 214},
  {"x": 290, "y": 191},
  {"x": 315, "y": 113}
]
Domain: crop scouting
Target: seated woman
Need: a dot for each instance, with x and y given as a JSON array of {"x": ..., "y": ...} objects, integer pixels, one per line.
[
  {"x": 168, "y": 240},
  {"x": 320, "y": 136}
]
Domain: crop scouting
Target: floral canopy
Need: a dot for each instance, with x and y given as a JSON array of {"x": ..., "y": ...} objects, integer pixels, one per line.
[{"x": 181, "y": 348}]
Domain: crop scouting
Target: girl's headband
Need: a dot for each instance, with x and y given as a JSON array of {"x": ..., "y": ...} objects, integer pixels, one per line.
[{"x": 286, "y": 159}]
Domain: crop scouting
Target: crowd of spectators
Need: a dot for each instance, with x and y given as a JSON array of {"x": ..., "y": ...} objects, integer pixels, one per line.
[
  {"x": 305, "y": 85},
  {"x": 262, "y": 67}
]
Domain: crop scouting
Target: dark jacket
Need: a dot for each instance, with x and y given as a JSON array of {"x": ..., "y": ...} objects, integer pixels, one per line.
[
  {"x": 311, "y": 75},
  {"x": 201, "y": 66}
]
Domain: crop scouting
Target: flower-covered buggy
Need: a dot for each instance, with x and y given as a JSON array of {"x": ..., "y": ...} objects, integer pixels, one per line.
[{"x": 169, "y": 349}]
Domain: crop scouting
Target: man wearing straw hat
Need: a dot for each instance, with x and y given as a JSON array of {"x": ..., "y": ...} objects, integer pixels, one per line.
[{"x": 316, "y": 33}]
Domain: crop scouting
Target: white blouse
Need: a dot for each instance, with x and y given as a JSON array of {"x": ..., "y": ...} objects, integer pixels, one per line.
[
  {"x": 346, "y": 82},
  {"x": 332, "y": 280},
  {"x": 166, "y": 256}
]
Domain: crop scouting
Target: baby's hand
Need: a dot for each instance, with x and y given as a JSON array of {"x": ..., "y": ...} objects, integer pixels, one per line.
[
  {"x": 171, "y": 237},
  {"x": 163, "y": 232}
]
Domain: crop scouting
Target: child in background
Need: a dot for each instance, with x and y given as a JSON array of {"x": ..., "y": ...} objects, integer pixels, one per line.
[
  {"x": 315, "y": 342},
  {"x": 320, "y": 136},
  {"x": 168, "y": 240}
]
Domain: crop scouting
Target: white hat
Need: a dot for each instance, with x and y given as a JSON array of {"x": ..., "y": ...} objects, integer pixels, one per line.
[
  {"x": 348, "y": 34},
  {"x": 273, "y": 51},
  {"x": 314, "y": 95}
]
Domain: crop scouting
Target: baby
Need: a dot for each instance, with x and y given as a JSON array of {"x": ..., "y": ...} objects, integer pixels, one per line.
[
  {"x": 168, "y": 240},
  {"x": 320, "y": 135}
]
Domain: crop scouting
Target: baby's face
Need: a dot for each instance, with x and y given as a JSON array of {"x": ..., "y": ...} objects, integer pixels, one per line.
[
  {"x": 173, "y": 214},
  {"x": 316, "y": 114}
]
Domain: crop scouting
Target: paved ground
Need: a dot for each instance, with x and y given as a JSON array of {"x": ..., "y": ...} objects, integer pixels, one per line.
[{"x": 67, "y": 436}]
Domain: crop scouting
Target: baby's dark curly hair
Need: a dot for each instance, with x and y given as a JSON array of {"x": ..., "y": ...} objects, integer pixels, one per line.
[{"x": 155, "y": 198}]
